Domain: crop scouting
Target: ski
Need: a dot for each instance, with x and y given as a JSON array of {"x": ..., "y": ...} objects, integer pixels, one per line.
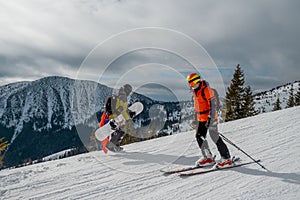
[
  {"x": 183, "y": 169},
  {"x": 216, "y": 169},
  {"x": 234, "y": 159}
]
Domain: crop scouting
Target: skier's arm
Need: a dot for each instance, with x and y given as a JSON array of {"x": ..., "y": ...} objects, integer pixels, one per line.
[
  {"x": 122, "y": 95},
  {"x": 211, "y": 100},
  {"x": 213, "y": 106}
]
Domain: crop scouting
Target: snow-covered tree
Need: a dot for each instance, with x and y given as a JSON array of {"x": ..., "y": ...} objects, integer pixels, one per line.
[
  {"x": 3, "y": 145},
  {"x": 277, "y": 105},
  {"x": 297, "y": 96},
  {"x": 291, "y": 101}
]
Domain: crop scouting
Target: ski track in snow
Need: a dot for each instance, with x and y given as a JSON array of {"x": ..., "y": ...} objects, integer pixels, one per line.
[{"x": 134, "y": 174}]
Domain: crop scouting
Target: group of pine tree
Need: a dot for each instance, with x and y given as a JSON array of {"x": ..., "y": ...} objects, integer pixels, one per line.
[
  {"x": 239, "y": 100},
  {"x": 3, "y": 145},
  {"x": 294, "y": 99}
]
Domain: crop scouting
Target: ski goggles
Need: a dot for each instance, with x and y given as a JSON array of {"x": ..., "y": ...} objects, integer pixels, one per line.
[{"x": 194, "y": 81}]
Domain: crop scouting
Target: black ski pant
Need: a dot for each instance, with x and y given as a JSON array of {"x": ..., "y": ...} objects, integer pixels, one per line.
[
  {"x": 215, "y": 136},
  {"x": 117, "y": 136}
]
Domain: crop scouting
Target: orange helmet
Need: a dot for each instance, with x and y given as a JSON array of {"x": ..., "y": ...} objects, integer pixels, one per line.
[{"x": 193, "y": 79}]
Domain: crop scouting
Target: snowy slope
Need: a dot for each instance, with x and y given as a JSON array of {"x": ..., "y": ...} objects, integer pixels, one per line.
[{"x": 134, "y": 174}]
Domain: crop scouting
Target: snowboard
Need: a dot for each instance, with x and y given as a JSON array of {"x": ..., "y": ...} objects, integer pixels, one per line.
[{"x": 103, "y": 132}]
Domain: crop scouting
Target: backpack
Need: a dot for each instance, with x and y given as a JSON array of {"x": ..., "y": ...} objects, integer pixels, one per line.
[
  {"x": 109, "y": 104},
  {"x": 216, "y": 94}
]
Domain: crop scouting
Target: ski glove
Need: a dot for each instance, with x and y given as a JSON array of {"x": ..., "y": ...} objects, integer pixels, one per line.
[
  {"x": 211, "y": 122},
  {"x": 214, "y": 123},
  {"x": 112, "y": 124},
  {"x": 208, "y": 122},
  {"x": 194, "y": 124},
  {"x": 131, "y": 114}
]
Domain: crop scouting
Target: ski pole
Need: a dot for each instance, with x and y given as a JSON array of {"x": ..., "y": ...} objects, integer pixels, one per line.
[{"x": 230, "y": 142}]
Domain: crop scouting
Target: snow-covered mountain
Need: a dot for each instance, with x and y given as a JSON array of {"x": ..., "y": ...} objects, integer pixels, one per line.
[
  {"x": 265, "y": 101},
  {"x": 51, "y": 98},
  {"x": 134, "y": 174},
  {"x": 38, "y": 118}
]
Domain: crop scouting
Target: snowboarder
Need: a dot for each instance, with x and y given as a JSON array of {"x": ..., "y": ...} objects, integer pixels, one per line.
[
  {"x": 115, "y": 105},
  {"x": 205, "y": 104}
]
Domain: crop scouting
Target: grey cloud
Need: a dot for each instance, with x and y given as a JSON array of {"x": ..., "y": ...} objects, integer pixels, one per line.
[{"x": 260, "y": 35}]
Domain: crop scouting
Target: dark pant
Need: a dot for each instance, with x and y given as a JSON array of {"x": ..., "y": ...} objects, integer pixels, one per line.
[
  {"x": 117, "y": 136},
  {"x": 214, "y": 134}
]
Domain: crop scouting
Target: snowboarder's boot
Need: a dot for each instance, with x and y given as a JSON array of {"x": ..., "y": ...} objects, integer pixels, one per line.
[{"x": 112, "y": 147}]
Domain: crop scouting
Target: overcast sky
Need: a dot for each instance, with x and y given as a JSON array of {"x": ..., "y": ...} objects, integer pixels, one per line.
[{"x": 45, "y": 38}]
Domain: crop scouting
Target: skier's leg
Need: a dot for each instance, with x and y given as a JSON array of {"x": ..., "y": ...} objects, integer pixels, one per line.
[
  {"x": 120, "y": 137},
  {"x": 129, "y": 128},
  {"x": 114, "y": 137},
  {"x": 112, "y": 147},
  {"x": 222, "y": 148},
  {"x": 201, "y": 139},
  {"x": 206, "y": 158},
  {"x": 104, "y": 143},
  {"x": 114, "y": 143},
  {"x": 117, "y": 136}
]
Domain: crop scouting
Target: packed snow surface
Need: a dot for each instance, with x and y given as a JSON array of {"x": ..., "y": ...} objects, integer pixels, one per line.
[{"x": 135, "y": 173}]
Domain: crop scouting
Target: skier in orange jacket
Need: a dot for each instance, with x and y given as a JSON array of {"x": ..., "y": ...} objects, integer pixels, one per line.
[{"x": 207, "y": 119}]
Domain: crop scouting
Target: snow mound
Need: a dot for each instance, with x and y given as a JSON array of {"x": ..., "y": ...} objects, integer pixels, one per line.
[{"x": 134, "y": 174}]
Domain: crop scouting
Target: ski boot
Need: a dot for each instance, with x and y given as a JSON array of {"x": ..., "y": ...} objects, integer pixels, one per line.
[
  {"x": 205, "y": 161},
  {"x": 224, "y": 162}
]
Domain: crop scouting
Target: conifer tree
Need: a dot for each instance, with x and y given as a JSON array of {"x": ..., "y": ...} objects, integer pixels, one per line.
[
  {"x": 3, "y": 146},
  {"x": 248, "y": 105},
  {"x": 277, "y": 105},
  {"x": 234, "y": 96},
  {"x": 297, "y": 96},
  {"x": 291, "y": 101}
]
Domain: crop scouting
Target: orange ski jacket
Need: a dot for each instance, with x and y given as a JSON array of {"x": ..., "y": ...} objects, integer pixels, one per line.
[{"x": 203, "y": 97}]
